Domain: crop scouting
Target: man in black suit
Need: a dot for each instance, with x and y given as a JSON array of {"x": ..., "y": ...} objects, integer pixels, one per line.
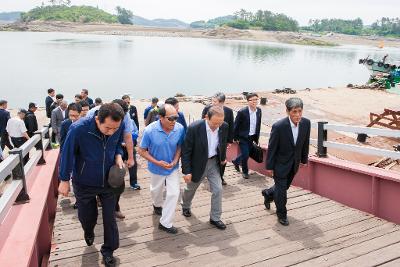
[
  {"x": 203, "y": 153},
  {"x": 287, "y": 151},
  {"x": 219, "y": 100},
  {"x": 246, "y": 131}
]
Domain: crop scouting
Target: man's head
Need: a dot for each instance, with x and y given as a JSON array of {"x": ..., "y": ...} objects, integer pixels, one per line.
[
  {"x": 252, "y": 100},
  {"x": 154, "y": 102},
  {"x": 63, "y": 105},
  {"x": 32, "y": 107},
  {"x": 215, "y": 117},
  {"x": 74, "y": 111},
  {"x": 173, "y": 102},
  {"x": 109, "y": 118},
  {"x": 127, "y": 99},
  {"x": 78, "y": 98},
  {"x": 3, "y": 104},
  {"x": 51, "y": 92},
  {"x": 85, "y": 107},
  {"x": 218, "y": 99},
  {"x": 59, "y": 98},
  {"x": 98, "y": 102},
  {"x": 294, "y": 109},
  {"x": 122, "y": 104},
  {"x": 84, "y": 93},
  {"x": 168, "y": 116},
  {"x": 21, "y": 113}
]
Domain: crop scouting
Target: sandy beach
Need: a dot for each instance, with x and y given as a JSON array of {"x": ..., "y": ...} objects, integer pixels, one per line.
[{"x": 218, "y": 33}]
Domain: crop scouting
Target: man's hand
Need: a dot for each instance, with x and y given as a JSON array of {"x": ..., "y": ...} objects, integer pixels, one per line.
[
  {"x": 164, "y": 165},
  {"x": 224, "y": 162},
  {"x": 119, "y": 162},
  {"x": 270, "y": 173},
  {"x": 63, "y": 188},
  {"x": 228, "y": 146},
  {"x": 130, "y": 162},
  {"x": 187, "y": 178}
]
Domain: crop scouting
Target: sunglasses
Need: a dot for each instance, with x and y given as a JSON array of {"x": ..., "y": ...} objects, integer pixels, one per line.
[{"x": 172, "y": 118}]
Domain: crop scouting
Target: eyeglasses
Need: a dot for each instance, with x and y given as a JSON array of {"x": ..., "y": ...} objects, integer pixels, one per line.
[{"x": 172, "y": 118}]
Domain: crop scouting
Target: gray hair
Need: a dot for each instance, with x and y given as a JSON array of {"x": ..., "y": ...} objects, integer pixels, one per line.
[
  {"x": 220, "y": 97},
  {"x": 293, "y": 102},
  {"x": 215, "y": 110}
]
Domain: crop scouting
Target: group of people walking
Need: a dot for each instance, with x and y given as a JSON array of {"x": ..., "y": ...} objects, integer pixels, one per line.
[{"x": 107, "y": 137}]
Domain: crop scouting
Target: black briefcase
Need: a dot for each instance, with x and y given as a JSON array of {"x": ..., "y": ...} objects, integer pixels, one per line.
[{"x": 256, "y": 153}]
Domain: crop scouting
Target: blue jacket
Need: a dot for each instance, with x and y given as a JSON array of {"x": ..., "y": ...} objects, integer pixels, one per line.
[
  {"x": 88, "y": 154},
  {"x": 64, "y": 131}
]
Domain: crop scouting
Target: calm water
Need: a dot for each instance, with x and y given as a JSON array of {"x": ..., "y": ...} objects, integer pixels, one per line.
[{"x": 110, "y": 66}]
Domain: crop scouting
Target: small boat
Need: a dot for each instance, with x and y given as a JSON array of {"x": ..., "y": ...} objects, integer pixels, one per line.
[{"x": 379, "y": 66}]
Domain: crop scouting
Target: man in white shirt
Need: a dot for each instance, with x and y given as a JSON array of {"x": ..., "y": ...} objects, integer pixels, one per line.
[
  {"x": 17, "y": 131},
  {"x": 247, "y": 131}
]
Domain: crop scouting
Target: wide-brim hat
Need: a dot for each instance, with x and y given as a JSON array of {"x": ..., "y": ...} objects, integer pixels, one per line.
[{"x": 116, "y": 176}]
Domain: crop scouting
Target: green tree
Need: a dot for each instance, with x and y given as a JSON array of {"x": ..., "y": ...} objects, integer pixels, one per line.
[{"x": 124, "y": 15}]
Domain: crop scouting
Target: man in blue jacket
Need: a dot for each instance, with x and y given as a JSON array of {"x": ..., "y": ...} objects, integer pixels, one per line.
[{"x": 92, "y": 147}]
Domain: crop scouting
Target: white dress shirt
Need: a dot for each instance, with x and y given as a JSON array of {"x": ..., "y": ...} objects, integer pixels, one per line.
[
  {"x": 63, "y": 113},
  {"x": 253, "y": 121},
  {"x": 16, "y": 127},
  {"x": 295, "y": 131},
  {"x": 213, "y": 141}
]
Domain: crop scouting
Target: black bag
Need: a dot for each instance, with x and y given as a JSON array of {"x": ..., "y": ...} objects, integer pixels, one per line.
[{"x": 256, "y": 153}]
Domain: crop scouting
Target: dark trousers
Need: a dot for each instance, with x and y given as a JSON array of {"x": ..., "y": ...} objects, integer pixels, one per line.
[
  {"x": 18, "y": 142},
  {"x": 87, "y": 214},
  {"x": 133, "y": 169},
  {"x": 5, "y": 141},
  {"x": 278, "y": 193},
  {"x": 243, "y": 157}
]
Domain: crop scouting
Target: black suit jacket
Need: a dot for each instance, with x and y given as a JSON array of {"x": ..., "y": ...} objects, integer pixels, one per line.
[
  {"x": 242, "y": 124},
  {"x": 228, "y": 118},
  {"x": 195, "y": 149},
  {"x": 283, "y": 154},
  {"x": 134, "y": 115}
]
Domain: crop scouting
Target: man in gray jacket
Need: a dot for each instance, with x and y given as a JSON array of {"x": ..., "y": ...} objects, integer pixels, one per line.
[{"x": 58, "y": 115}]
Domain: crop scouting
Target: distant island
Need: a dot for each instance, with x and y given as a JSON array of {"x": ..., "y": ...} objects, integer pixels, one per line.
[{"x": 261, "y": 25}]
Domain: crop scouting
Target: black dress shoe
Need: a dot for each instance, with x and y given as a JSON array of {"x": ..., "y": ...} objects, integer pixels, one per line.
[
  {"x": 75, "y": 206},
  {"x": 283, "y": 221},
  {"x": 219, "y": 224},
  {"x": 171, "y": 230},
  {"x": 89, "y": 238},
  {"x": 157, "y": 210},
  {"x": 224, "y": 182},
  {"x": 186, "y": 212},
  {"x": 237, "y": 168},
  {"x": 109, "y": 261},
  {"x": 267, "y": 203},
  {"x": 246, "y": 176}
]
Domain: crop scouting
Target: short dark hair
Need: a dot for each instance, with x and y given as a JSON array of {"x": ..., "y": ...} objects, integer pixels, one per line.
[
  {"x": 86, "y": 91},
  {"x": 78, "y": 96},
  {"x": 59, "y": 96},
  {"x": 112, "y": 110},
  {"x": 162, "y": 111},
  {"x": 75, "y": 106},
  {"x": 84, "y": 103},
  {"x": 125, "y": 97},
  {"x": 51, "y": 90},
  {"x": 122, "y": 103},
  {"x": 98, "y": 100},
  {"x": 172, "y": 101},
  {"x": 31, "y": 105},
  {"x": 250, "y": 95},
  {"x": 3, "y": 102},
  {"x": 154, "y": 100},
  {"x": 215, "y": 110},
  {"x": 220, "y": 97}
]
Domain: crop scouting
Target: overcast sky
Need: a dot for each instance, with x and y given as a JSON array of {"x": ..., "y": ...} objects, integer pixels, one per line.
[{"x": 191, "y": 10}]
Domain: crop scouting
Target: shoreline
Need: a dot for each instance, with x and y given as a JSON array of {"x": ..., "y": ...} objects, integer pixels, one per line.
[{"x": 222, "y": 33}]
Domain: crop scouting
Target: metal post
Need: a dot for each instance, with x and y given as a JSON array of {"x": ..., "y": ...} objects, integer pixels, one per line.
[
  {"x": 39, "y": 146},
  {"x": 322, "y": 151},
  {"x": 19, "y": 174}
]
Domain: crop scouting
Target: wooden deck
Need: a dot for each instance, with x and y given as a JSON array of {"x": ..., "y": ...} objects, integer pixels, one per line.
[{"x": 322, "y": 232}]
